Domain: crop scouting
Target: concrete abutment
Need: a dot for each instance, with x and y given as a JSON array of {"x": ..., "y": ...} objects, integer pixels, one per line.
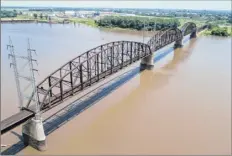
[
  {"x": 178, "y": 44},
  {"x": 147, "y": 62},
  {"x": 193, "y": 35},
  {"x": 33, "y": 134}
]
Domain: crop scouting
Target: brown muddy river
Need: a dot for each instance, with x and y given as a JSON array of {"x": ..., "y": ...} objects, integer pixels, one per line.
[{"x": 181, "y": 107}]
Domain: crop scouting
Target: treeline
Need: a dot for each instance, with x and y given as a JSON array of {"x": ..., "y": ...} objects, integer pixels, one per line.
[
  {"x": 5, "y": 13},
  {"x": 218, "y": 31},
  {"x": 40, "y": 9},
  {"x": 137, "y": 23}
]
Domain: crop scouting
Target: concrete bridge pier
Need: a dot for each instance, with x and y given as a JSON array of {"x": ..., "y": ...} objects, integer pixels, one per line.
[
  {"x": 178, "y": 44},
  {"x": 33, "y": 133},
  {"x": 147, "y": 62},
  {"x": 193, "y": 34}
]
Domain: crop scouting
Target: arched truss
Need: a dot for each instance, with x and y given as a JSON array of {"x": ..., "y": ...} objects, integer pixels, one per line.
[
  {"x": 98, "y": 63},
  {"x": 202, "y": 28},
  {"x": 163, "y": 38},
  {"x": 87, "y": 69},
  {"x": 188, "y": 28}
]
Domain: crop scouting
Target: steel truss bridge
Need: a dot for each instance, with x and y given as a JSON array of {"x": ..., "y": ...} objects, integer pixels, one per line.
[{"x": 91, "y": 67}]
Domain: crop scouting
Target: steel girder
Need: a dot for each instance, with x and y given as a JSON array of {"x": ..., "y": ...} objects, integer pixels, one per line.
[
  {"x": 188, "y": 28},
  {"x": 87, "y": 69},
  {"x": 98, "y": 63},
  {"x": 164, "y": 38}
]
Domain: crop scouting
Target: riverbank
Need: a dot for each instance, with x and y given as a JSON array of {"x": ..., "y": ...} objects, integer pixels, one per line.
[
  {"x": 209, "y": 32},
  {"x": 92, "y": 23},
  {"x": 86, "y": 21},
  {"x": 16, "y": 20},
  {"x": 56, "y": 20}
]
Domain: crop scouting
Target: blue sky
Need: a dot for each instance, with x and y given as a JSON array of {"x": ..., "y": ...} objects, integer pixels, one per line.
[{"x": 197, "y": 4}]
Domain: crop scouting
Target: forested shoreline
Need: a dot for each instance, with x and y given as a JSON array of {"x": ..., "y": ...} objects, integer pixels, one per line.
[
  {"x": 5, "y": 13},
  {"x": 123, "y": 22},
  {"x": 215, "y": 30},
  {"x": 137, "y": 23}
]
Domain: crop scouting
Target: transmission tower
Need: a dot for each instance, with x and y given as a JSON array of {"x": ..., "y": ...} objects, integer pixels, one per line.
[
  {"x": 12, "y": 55},
  {"x": 31, "y": 78}
]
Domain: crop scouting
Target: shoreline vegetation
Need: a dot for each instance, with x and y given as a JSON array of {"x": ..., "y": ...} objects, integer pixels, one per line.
[
  {"x": 215, "y": 30},
  {"x": 135, "y": 23}
]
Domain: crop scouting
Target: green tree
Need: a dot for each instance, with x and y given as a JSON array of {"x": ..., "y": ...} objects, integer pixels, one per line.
[
  {"x": 46, "y": 17},
  {"x": 218, "y": 31},
  {"x": 6, "y": 14},
  {"x": 137, "y": 22},
  {"x": 35, "y": 16},
  {"x": 41, "y": 16}
]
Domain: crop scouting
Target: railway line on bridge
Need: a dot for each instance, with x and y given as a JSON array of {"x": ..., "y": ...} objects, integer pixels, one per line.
[{"x": 84, "y": 71}]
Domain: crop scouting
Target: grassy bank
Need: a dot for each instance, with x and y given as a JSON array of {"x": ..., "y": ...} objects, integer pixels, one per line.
[
  {"x": 219, "y": 30},
  {"x": 87, "y": 21},
  {"x": 198, "y": 22}
]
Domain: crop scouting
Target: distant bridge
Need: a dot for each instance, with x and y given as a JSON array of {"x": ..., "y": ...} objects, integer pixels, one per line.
[{"x": 89, "y": 68}]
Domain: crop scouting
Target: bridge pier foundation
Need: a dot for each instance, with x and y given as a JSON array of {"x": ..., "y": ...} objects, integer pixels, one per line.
[
  {"x": 147, "y": 62},
  {"x": 178, "y": 44},
  {"x": 193, "y": 35},
  {"x": 33, "y": 134}
]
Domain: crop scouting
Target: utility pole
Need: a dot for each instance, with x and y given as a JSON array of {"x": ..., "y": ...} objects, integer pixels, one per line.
[
  {"x": 33, "y": 130},
  {"x": 19, "y": 76},
  {"x": 10, "y": 47},
  {"x": 32, "y": 77}
]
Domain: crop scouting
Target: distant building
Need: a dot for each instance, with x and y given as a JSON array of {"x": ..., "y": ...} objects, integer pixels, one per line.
[
  {"x": 106, "y": 13},
  {"x": 70, "y": 13},
  {"x": 51, "y": 14},
  {"x": 85, "y": 14},
  {"x": 126, "y": 14}
]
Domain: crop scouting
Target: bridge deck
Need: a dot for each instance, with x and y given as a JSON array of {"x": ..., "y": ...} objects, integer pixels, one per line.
[{"x": 15, "y": 120}]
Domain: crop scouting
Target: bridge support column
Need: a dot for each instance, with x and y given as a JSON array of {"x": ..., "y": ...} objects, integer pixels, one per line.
[
  {"x": 193, "y": 34},
  {"x": 33, "y": 134},
  {"x": 178, "y": 44},
  {"x": 147, "y": 62}
]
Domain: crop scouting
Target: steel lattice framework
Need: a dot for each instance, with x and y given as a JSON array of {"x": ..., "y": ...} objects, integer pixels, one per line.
[
  {"x": 163, "y": 38},
  {"x": 87, "y": 69},
  {"x": 98, "y": 63},
  {"x": 188, "y": 28}
]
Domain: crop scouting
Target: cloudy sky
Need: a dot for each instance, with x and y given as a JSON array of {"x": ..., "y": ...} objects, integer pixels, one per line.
[{"x": 197, "y": 4}]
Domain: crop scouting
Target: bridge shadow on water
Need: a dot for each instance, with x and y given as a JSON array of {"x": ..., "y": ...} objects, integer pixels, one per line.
[{"x": 72, "y": 110}]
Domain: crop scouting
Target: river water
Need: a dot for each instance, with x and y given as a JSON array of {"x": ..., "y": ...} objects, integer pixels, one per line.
[{"x": 182, "y": 106}]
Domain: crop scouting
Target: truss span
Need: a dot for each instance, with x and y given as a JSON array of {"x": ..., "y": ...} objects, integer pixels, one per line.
[
  {"x": 98, "y": 63},
  {"x": 188, "y": 28},
  {"x": 87, "y": 69},
  {"x": 163, "y": 38}
]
